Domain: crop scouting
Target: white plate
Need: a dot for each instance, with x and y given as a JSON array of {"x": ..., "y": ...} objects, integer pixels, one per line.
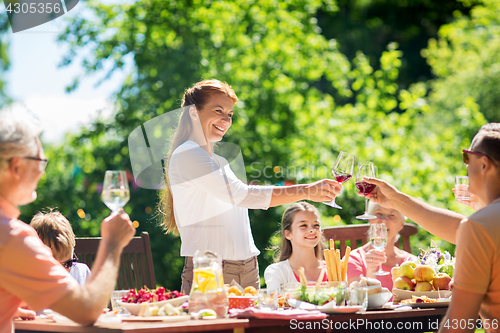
[
  {"x": 135, "y": 308},
  {"x": 442, "y": 302},
  {"x": 326, "y": 308},
  {"x": 170, "y": 319},
  {"x": 379, "y": 299},
  {"x": 343, "y": 309},
  {"x": 405, "y": 294}
]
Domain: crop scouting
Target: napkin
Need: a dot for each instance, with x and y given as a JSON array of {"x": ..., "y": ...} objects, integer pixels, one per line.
[{"x": 276, "y": 314}]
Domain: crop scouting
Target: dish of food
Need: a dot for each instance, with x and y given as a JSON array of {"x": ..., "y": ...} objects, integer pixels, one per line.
[
  {"x": 425, "y": 302},
  {"x": 135, "y": 308},
  {"x": 406, "y": 294}
]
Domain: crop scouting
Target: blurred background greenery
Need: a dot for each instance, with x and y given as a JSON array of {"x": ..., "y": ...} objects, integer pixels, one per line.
[{"x": 403, "y": 83}]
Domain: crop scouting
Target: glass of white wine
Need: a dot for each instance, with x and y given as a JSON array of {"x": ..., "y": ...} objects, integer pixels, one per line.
[
  {"x": 115, "y": 191},
  {"x": 378, "y": 238}
]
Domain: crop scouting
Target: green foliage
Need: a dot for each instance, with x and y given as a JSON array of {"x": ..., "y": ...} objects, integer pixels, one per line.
[
  {"x": 4, "y": 57},
  {"x": 290, "y": 123},
  {"x": 370, "y": 25},
  {"x": 465, "y": 60}
]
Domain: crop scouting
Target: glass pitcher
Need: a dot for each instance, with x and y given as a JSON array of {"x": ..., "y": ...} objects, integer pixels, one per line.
[{"x": 207, "y": 291}]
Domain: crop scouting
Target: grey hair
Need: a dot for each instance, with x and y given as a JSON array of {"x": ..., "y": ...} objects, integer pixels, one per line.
[
  {"x": 372, "y": 206},
  {"x": 18, "y": 130}
]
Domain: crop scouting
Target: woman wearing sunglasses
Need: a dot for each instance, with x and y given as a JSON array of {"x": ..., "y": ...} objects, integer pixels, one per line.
[{"x": 476, "y": 278}]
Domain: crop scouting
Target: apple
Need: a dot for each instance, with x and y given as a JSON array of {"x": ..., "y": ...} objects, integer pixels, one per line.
[
  {"x": 424, "y": 273},
  {"x": 441, "y": 281},
  {"x": 403, "y": 283},
  {"x": 407, "y": 269},
  {"x": 396, "y": 272},
  {"x": 423, "y": 286}
]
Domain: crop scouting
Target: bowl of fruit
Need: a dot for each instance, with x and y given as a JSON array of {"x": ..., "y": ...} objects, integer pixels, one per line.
[
  {"x": 420, "y": 280},
  {"x": 240, "y": 298},
  {"x": 134, "y": 301}
]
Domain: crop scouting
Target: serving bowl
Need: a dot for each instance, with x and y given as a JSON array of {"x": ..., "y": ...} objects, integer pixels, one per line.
[
  {"x": 379, "y": 299},
  {"x": 242, "y": 302},
  {"x": 135, "y": 308}
]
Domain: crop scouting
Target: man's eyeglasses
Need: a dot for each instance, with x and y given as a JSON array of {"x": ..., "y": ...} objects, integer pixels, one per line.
[
  {"x": 69, "y": 263},
  {"x": 43, "y": 161},
  {"x": 466, "y": 152}
]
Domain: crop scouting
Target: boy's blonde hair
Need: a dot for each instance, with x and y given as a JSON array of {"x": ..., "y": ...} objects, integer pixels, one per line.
[{"x": 55, "y": 231}]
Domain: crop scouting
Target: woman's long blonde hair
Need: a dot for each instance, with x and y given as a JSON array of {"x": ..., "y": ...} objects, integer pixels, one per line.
[{"x": 198, "y": 95}]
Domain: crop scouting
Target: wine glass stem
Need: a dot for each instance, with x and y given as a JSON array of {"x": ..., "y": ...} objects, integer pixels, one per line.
[{"x": 366, "y": 205}]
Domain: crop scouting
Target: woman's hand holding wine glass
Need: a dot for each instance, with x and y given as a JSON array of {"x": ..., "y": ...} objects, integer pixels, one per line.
[
  {"x": 342, "y": 171},
  {"x": 378, "y": 240},
  {"x": 115, "y": 190}
]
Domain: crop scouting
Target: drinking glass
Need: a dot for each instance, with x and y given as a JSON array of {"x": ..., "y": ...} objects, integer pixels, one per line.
[
  {"x": 365, "y": 169},
  {"x": 115, "y": 191},
  {"x": 358, "y": 296},
  {"x": 342, "y": 171},
  {"x": 268, "y": 299},
  {"x": 378, "y": 238},
  {"x": 462, "y": 188},
  {"x": 117, "y": 295}
]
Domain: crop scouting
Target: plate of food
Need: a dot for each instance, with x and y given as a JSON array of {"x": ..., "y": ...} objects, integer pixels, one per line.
[
  {"x": 407, "y": 294},
  {"x": 426, "y": 302}
]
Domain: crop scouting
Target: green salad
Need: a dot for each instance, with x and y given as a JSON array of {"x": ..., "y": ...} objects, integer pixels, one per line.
[{"x": 323, "y": 295}]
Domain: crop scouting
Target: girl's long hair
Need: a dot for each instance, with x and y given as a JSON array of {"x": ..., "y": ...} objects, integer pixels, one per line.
[
  {"x": 198, "y": 95},
  {"x": 286, "y": 250}
]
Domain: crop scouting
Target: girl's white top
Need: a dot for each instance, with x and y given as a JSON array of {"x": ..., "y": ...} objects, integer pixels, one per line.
[
  {"x": 278, "y": 274},
  {"x": 211, "y": 204}
]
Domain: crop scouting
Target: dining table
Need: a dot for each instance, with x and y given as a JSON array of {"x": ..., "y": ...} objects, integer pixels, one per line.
[{"x": 381, "y": 320}]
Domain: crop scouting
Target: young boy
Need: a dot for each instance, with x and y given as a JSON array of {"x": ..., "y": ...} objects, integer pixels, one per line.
[{"x": 55, "y": 231}]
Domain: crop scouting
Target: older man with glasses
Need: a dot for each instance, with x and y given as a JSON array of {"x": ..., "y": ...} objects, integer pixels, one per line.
[
  {"x": 28, "y": 271},
  {"x": 476, "y": 280}
]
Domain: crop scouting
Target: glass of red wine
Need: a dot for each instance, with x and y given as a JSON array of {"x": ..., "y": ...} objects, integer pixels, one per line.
[
  {"x": 342, "y": 171},
  {"x": 365, "y": 169}
]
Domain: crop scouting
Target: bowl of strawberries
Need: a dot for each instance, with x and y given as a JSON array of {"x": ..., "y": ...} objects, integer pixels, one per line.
[{"x": 134, "y": 301}]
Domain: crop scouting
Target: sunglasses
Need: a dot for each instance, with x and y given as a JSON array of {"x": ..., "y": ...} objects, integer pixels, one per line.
[
  {"x": 465, "y": 156},
  {"x": 69, "y": 263}
]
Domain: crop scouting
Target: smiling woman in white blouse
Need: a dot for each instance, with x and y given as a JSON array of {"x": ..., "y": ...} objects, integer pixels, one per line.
[{"x": 205, "y": 202}]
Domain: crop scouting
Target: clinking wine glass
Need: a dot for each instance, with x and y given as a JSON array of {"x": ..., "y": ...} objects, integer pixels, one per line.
[
  {"x": 378, "y": 239},
  {"x": 342, "y": 171},
  {"x": 115, "y": 191},
  {"x": 365, "y": 169}
]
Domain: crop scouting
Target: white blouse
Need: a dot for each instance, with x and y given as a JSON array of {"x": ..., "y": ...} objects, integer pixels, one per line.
[
  {"x": 211, "y": 203},
  {"x": 278, "y": 274}
]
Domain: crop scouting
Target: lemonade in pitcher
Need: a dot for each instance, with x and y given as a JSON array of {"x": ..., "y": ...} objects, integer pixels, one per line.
[{"x": 207, "y": 291}]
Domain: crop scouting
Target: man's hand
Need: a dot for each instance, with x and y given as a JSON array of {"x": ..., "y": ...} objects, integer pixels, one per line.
[
  {"x": 25, "y": 313},
  {"x": 383, "y": 194},
  {"x": 117, "y": 229}
]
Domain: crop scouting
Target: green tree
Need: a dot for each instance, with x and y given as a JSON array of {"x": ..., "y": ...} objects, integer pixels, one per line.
[
  {"x": 4, "y": 58},
  {"x": 465, "y": 59},
  {"x": 370, "y": 25}
]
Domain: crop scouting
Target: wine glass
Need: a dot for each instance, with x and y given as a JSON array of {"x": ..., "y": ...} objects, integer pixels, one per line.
[
  {"x": 115, "y": 191},
  {"x": 365, "y": 169},
  {"x": 378, "y": 238},
  {"x": 342, "y": 171}
]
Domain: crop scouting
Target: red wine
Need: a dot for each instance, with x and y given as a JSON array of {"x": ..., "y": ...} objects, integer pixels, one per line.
[
  {"x": 342, "y": 178},
  {"x": 365, "y": 188}
]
